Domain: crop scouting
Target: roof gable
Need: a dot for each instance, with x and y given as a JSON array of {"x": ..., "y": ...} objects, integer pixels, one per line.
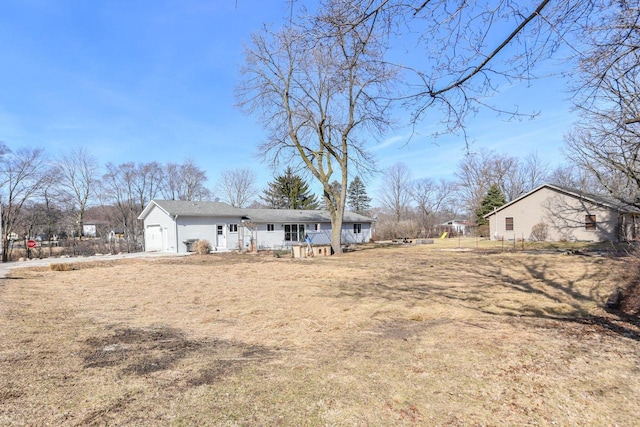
[
  {"x": 603, "y": 201},
  {"x": 190, "y": 208}
]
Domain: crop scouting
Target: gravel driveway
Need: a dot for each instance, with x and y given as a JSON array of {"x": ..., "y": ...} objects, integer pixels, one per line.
[{"x": 5, "y": 267}]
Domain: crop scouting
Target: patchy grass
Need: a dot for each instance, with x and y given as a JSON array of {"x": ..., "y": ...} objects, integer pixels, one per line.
[{"x": 401, "y": 335}]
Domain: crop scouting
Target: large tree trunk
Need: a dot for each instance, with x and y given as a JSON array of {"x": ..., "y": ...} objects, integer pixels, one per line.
[
  {"x": 5, "y": 249},
  {"x": 80, "y": 220},
  {"x": 336, "y": 232}
]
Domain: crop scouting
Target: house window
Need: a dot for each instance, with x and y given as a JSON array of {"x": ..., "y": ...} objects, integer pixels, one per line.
[
  {"x": 589, "y": 222},
  {"x": 233, "y": 228},
  {"x": 508, "y": 223},
  {"x": 357, "y": 228},
  {"x": 271, "y": 227},
  {"x": 294, "y": 232},
  {"x": 220, "y": 230},
  {"x": 318, "y": 227}
]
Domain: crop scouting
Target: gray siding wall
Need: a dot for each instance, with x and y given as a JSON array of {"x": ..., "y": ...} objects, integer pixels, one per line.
[
  {"x": 349, "y": 235},
  {"x": 266, "y": 239},
  {"x": 275, "y": 239},
  {"x": 176, "y": 232},
  {"x": 158, "y": 218},
  {"x": 564, "y": 216},
  {"x": 203, "y": 228}
]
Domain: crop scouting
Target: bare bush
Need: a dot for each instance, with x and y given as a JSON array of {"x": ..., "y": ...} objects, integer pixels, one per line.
[
  {"x": 483, "y": 231},
  {"x": 81, "y": 248},
  {"x": 61, "y": 266},
  {"x": 539, "y": 232},
  {"x": 202, "y": 247}
]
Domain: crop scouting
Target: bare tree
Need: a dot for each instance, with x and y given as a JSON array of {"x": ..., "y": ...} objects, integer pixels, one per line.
[
  {"x": 185, "y": 182},
  {"x": 431, "y": 197},
  {"x": 395, "y": 193},
  {"x": 171, "y": 184},
  {"x": 148, "y": 183},
  {"x": 78, "y": 171},
  {"x": 22, "y": 175},
  {"x": 470, "y": 49},
  {"x": 477, "y": 172},
  {"x": 52, "y": 201},
  {"x": 239, "y": 186},
  {"x": 119, "y": 187},
  {"x": 317, "y": 87},
  {"x": 573, "y": 176},
  {"x": 606, "y": 139}
]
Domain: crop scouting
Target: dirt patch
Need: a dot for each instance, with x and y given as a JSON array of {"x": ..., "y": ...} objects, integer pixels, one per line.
[{"x": 142, "y": 351}]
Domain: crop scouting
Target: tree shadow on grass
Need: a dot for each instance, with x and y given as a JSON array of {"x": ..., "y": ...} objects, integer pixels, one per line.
[
  {"x": 564, "y": 299},
  {"x": 523, "y": 287}
]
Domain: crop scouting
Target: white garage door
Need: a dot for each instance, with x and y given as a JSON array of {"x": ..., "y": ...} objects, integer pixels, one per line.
[{"x": 153, "y": 238}]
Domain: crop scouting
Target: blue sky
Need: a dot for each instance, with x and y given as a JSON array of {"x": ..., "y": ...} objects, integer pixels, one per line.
[{"x": 153, "y": 81}]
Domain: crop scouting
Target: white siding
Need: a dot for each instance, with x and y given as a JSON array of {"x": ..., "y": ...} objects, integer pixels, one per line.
[{"x": 158, "y": 218}]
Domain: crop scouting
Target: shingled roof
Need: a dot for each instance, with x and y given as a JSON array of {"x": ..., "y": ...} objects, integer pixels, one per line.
[
  {"x": 604, "y": 201},
  {"x": 220, "y": 209},
  {"x": 187, "y": 208}
]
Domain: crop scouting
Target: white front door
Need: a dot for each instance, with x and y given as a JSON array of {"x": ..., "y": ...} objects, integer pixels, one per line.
[{"x": 221, "y": 238}]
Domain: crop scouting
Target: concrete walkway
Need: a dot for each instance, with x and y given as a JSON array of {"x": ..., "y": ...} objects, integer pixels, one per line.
[{"x": 7, "y": 266}]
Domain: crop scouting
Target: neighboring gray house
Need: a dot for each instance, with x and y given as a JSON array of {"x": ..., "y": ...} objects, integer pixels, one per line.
[
  {"x": 566, "y": 214},
  {"x": 169, "y": 226}
]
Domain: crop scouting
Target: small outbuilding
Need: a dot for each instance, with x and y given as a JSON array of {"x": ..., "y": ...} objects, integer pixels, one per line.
[
  {"x": 316, "y": 244},
  {"x": 555, "y": 213}
]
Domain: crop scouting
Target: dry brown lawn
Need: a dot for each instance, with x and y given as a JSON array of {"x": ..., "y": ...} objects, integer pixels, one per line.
[{"x": 385, "y": 336}]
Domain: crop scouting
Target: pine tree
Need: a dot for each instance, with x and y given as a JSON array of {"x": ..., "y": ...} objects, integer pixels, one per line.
[
  {"x": 357, "y": 198},
  {"x": 494, "y": 199},
  {"x": 289, "y": 191}
]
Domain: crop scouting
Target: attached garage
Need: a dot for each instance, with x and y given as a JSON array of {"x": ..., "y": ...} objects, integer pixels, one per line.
[{"x": 153, "y": 238}]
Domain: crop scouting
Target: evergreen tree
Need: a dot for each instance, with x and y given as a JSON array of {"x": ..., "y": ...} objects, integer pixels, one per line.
[
  {"x": 357, "y": 198},
  {"x": 494, "y": 199},
  {"x": 289, "y": 191}
]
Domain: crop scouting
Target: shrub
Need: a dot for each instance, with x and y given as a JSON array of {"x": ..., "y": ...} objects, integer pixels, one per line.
[
  {"x": 81, "y": 248},
  {"x": 61, "y": 266},
  {"x": 539, "y": 232},
  {"x": 483, "y": 231},
  {"x": 202, "y": 247}
]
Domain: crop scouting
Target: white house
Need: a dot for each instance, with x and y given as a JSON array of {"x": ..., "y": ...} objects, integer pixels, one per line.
[
  {"x": 459, "y": 227},
  {"x": 171, "y": 225},
  {"x": 564, "y": 214}
]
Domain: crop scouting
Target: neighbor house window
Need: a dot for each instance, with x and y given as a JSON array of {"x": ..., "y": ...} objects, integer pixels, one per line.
[
  {"x": 271, "y": 227},
  {"x": 233, "y": 228},
  {"x": 508, "y": 223},
  {"x": 318, "y": 227},
  {"x": 357, "y": 228},
  {"x": 293, "y": 232},
  {"x": 589, "y": 222}
]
